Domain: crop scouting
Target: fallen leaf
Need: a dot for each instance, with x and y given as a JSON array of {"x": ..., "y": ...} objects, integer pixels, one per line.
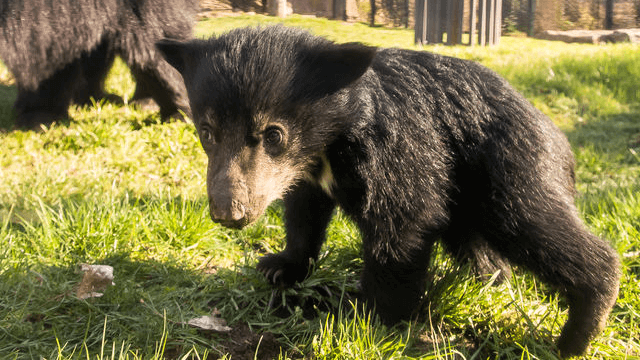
[
  {"x": 95, "y": 280},
  {"x": 209, "y": 322}
]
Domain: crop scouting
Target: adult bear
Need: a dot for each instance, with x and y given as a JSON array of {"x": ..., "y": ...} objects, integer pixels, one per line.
[{"x": 60, "y": 52}]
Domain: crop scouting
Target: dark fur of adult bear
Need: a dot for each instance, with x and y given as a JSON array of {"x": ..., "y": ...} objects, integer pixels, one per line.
[
  {"x": 414, "y": 146},
  {"x": 60, "y": 52}
]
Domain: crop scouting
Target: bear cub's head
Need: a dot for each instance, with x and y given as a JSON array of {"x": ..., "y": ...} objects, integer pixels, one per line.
[{"x": 266, "y": 102}]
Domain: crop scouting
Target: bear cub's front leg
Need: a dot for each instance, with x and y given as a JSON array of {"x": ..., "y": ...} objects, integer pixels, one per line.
[{"x": 308, "y": 210}]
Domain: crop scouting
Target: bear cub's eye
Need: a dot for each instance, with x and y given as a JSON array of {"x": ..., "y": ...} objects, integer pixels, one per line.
[
  {"x": 206, "y": 136},
  {"x": 273, "y": 136}
]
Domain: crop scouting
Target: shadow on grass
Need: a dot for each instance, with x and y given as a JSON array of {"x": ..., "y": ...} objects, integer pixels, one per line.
[
  {"x": 607, "y": 151},
  {"x": 150, "y": 301},
  {"x": 8, "y": 94},
  {"x": 616, "y": 133},
  {"x": 7, "y": 98}
]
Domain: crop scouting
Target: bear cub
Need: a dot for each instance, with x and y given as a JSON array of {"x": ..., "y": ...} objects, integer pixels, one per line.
[{"x": 415, "y": 147}]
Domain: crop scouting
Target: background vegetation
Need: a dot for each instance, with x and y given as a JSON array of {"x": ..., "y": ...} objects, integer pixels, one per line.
[{"x": 115, "y": 186}]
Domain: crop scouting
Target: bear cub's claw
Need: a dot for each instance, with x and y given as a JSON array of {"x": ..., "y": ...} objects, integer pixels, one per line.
[{"x": 282, "y": 271}]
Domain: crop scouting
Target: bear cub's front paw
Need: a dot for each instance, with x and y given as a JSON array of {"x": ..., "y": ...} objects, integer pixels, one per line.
[{"x": 281, "y": 270}]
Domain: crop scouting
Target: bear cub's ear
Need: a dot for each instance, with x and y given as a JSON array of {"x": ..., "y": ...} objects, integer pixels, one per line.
[
  {"x": 179, "y": 54},
  {"x": 328, "y": 68}
]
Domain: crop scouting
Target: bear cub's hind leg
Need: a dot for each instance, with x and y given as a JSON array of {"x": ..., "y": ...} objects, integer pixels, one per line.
[{"x": 556, "y": 246}]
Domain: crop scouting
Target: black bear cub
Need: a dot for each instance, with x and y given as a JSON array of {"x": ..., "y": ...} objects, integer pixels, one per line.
[{"x": 415, "y": 147}]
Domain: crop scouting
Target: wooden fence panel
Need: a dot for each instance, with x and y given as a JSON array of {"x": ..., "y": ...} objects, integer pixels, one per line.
[{"x": 434, "y": 17}]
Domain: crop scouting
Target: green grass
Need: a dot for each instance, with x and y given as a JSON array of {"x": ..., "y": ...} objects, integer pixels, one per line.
[{"x": 115, "y": 186}]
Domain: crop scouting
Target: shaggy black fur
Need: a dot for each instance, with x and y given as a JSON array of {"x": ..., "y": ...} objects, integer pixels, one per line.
[
  {"x": 60, "y": 52},
  {"x": 415, "y": 147}
]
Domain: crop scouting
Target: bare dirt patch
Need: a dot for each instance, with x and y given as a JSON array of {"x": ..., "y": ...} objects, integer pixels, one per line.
[{"x": 244, "y": 344}]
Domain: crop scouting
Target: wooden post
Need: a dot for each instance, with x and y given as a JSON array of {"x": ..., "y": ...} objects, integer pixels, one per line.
[
  {"x": 491, "y": 18},
  {"x": 498, "y": 23},
  {"x": 278, "y": 8},
  {"x": 448, "y": 17},
  {"x": 483, "y": 23},
  {"x": 460, "y": 15},
  {"x": 373, "y": 12},
  {"x": 406, "y": 14},
  {"x": 472, "y": 22},
  {"x": 420, "y": 29},
  {"x": 532, "y": 16},
  {"x": 425, "y": 21},
  {"x": 438, "y": 21},
  {"x": 432, "y": 21},
  {"x": 608, "y": 14},
  {"x": 340, "y": 9},
  {"x": 454, "y": 21}
]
